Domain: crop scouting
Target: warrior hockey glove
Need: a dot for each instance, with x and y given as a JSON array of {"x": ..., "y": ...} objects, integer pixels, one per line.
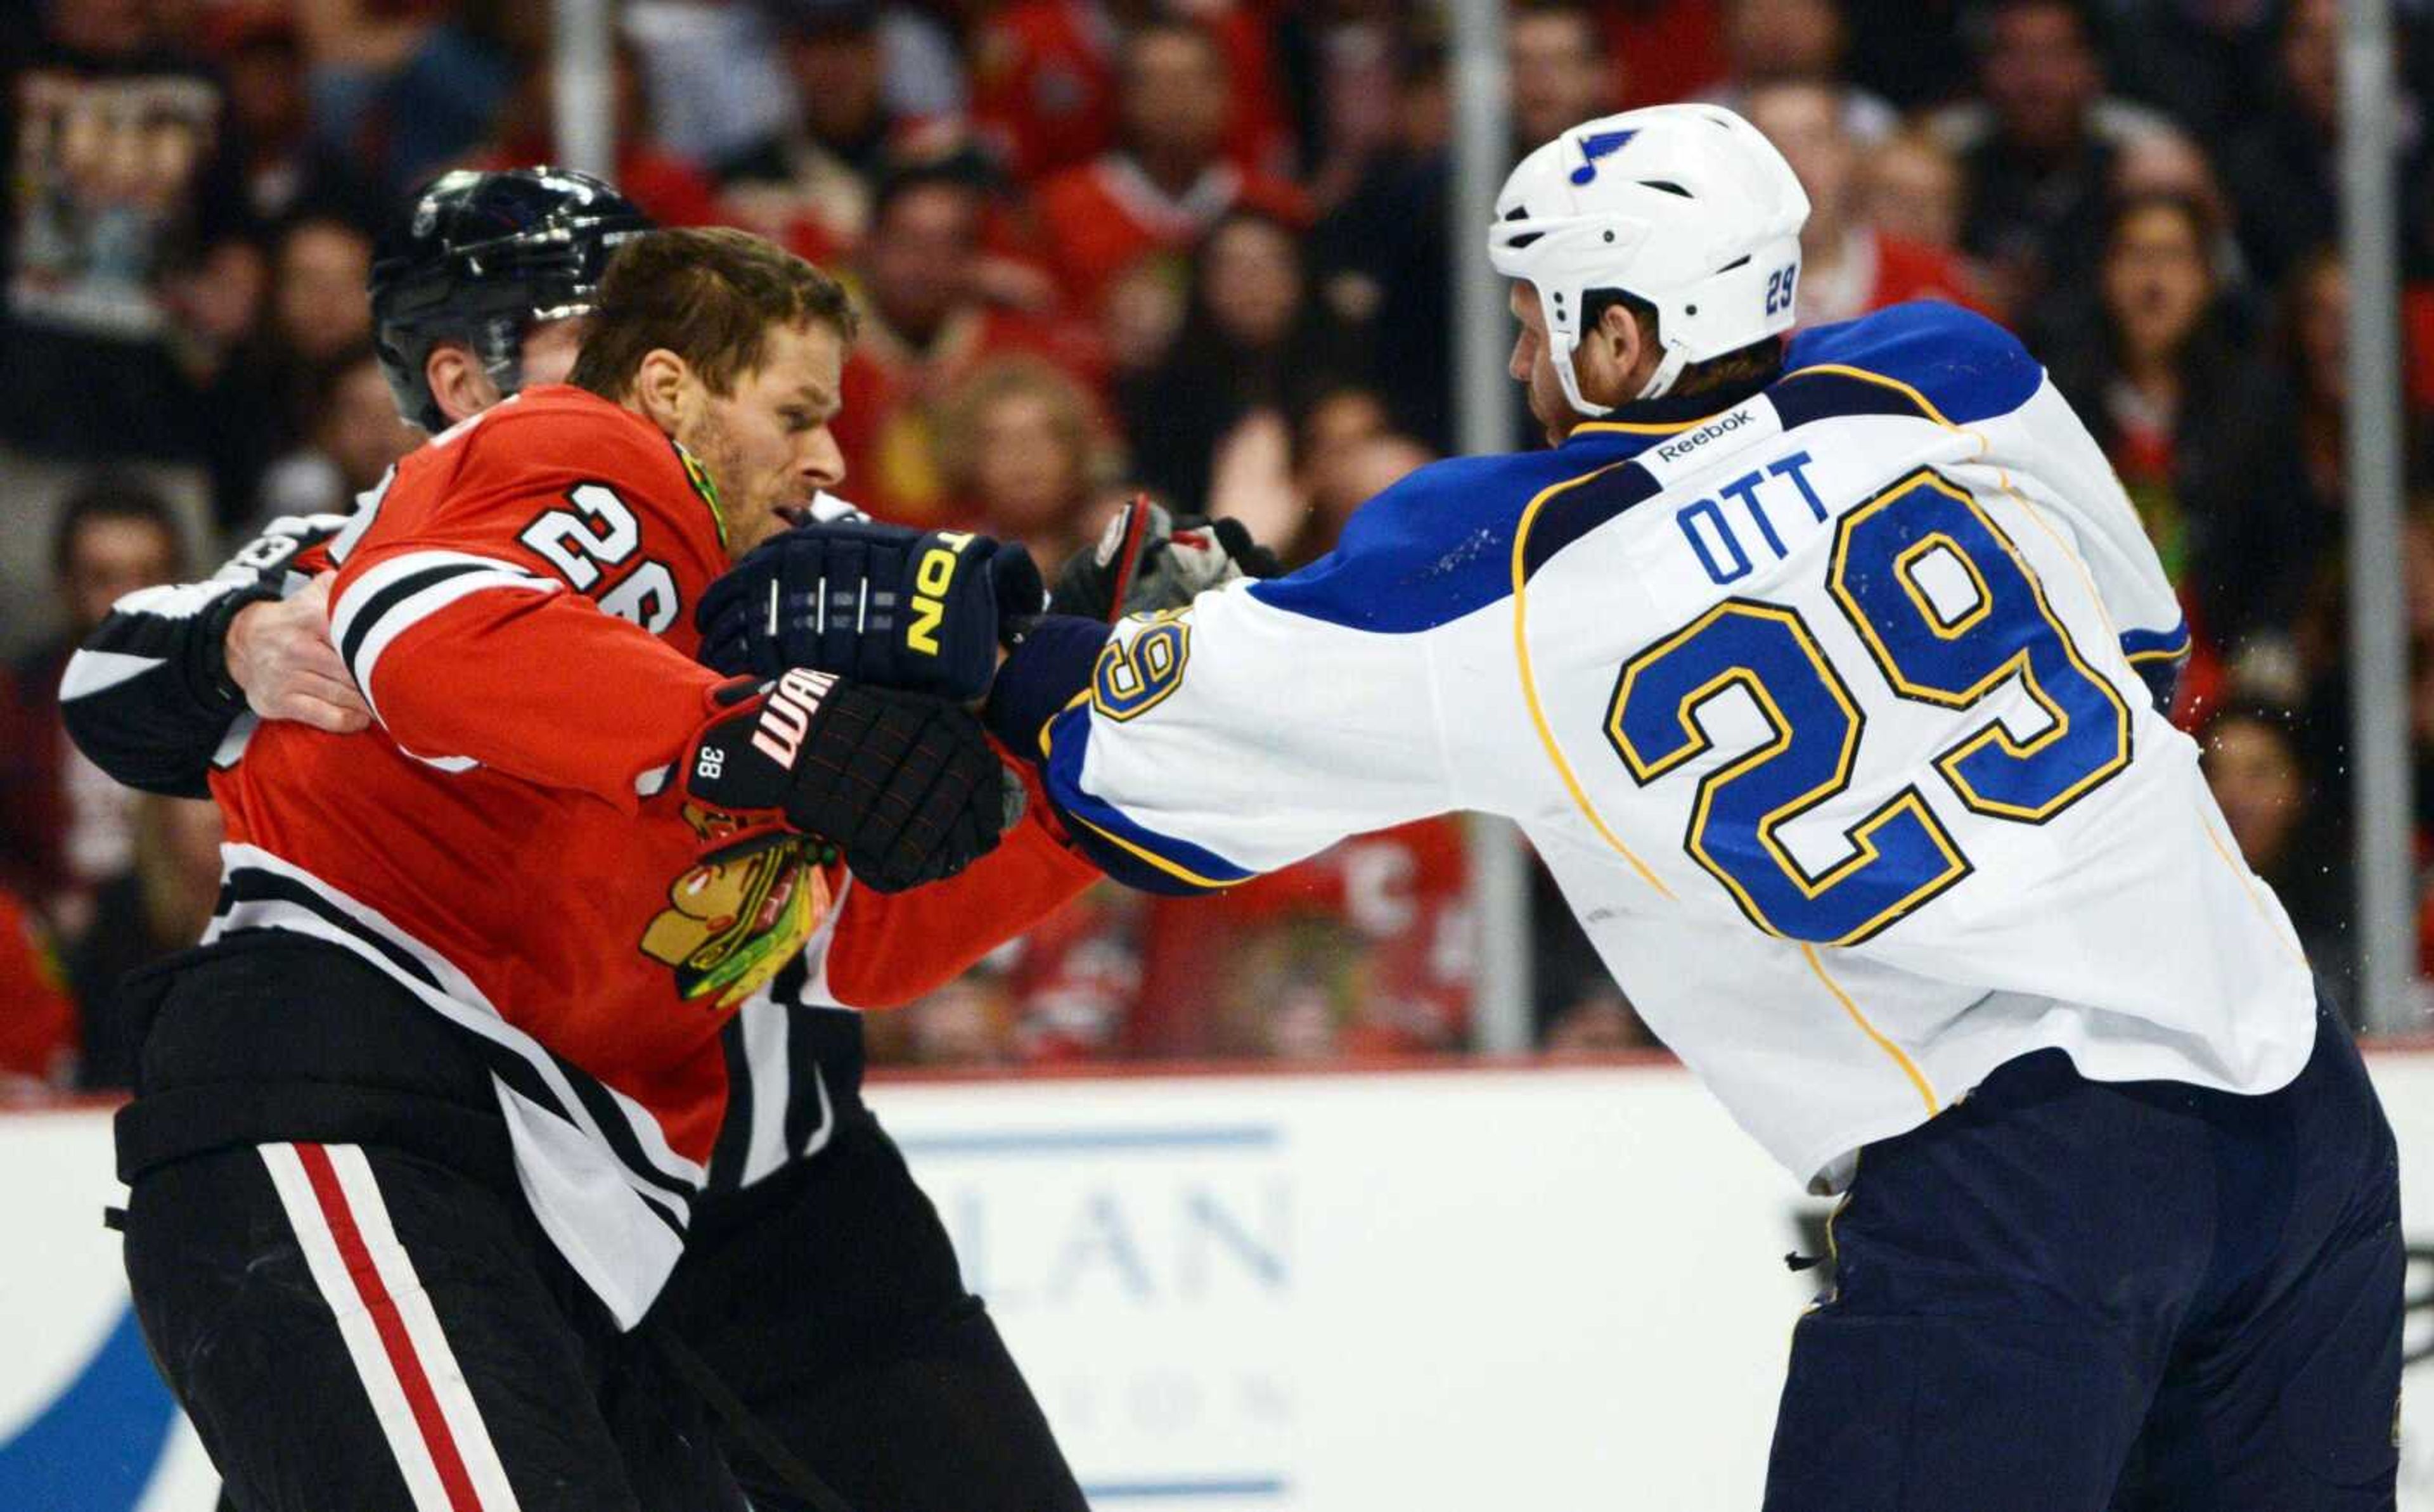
[
  {"x": 906, "y": 788},
  {"x": 914, "y": 610},
  {"x": 1147, "y": 560}
]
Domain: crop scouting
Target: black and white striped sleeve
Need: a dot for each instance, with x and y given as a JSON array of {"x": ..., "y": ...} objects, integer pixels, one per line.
[{"x": 147, "y": 697}]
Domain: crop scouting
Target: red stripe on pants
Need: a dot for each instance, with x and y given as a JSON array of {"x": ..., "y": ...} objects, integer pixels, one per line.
[{"x": 385, "y": 1317}]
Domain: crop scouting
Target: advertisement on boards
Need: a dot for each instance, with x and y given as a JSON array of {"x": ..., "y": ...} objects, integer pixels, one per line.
[{"x": 1544, "y": 1288}]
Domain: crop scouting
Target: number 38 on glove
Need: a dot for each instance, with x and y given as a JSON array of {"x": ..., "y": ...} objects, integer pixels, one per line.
[{"x": 906, "y": 788}]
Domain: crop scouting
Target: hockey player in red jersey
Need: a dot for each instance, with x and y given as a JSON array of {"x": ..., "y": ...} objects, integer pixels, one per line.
[
  {"x": 463, "y": 1008},
  {"x": 809, "y": 1215}
]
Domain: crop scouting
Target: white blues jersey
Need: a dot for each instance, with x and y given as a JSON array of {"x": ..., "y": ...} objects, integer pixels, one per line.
[{"x": 1826, "y": 711}]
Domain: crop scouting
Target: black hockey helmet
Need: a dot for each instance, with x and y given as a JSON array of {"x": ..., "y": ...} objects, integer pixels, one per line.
[{"x": 481, "y": 257}]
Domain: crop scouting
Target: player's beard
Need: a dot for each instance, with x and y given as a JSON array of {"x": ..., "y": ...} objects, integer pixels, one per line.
[{"x": 747, "y": 521}]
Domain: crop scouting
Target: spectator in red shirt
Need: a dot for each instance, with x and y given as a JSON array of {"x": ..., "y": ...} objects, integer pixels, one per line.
[
  {"x": 1169, "y": 181},
  {"x": 924, "y": 325},
  {"x": 1847, "y": 267},
  {"x": 1910, "y": 187},
  {"x": 37, "y": 1020},
  {"x": 1045, "y": 85}
]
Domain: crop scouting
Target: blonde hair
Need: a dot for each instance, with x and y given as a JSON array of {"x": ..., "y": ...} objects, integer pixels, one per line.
[{"x": 1071, "y": 410}]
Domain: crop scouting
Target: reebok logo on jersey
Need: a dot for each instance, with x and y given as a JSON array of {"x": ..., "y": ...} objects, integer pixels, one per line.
[
  {"x": 1675, "y": 450},
  {"x": 786, "y": 715}
]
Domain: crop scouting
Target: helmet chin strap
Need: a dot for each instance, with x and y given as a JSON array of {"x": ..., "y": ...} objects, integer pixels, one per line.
[
  {"x": 500, "y": 344},
  {"x": 1660, "y": 382}
]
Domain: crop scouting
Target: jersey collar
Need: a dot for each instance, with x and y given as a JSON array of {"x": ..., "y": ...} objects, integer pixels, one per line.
[{"x": 1632, "y": 428}]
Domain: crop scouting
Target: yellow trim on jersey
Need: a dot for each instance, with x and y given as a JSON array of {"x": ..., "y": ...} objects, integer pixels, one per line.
[
  {"x": 1927, "y": 406},
  {"x": 1138, "y": 659},
  {"x": 1650, "y": 427},
  {"x": 1047, "y": 742},
  {"x": 1170, "y": 868},
  {"x": 1530, "y": 683},
  {"x": 1906, "y": 574},
  {"x": 2248, "y": 885},
  {"x": 1047, "y": 731},
  {"x": 2171, "y": 653},
  {"x": 1910, "y": 1068}
]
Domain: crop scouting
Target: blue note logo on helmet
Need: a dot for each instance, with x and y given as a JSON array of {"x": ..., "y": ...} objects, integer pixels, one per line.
[
  {"x": 481, "y": 257},
  {"x": 1687, "y": 207}
]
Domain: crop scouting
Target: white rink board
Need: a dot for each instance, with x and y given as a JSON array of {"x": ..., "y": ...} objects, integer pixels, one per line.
[{"x": 1530, "y": 1288}]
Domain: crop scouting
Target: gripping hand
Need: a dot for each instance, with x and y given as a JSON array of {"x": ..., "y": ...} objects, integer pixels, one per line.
[
  {"x": 906, "y": 788},
  {"x": 1148, "y": 559},
  {"x": 914, "y": 610}
]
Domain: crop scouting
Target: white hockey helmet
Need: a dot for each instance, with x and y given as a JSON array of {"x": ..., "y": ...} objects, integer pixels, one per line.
[{"x": 1687, "y": 207}]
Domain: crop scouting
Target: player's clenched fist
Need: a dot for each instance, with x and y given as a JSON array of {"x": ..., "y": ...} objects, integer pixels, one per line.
[
  {"x": 906, "y": 788},
  {"x": 279, "y": 652},
  {"x": 917, "y": 610}
]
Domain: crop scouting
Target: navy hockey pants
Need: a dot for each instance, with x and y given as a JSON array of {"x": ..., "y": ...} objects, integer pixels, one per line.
[
  {"x": 350, "y": 1327},
  {"x": 2069, "y": 1295}
]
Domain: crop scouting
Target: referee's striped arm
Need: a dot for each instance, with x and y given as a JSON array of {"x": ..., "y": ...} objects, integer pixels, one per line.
[{"x": 389, "y": 599}]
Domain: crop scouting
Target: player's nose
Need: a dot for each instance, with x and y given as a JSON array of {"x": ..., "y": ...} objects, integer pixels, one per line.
[{"x": 821, "y": 461}]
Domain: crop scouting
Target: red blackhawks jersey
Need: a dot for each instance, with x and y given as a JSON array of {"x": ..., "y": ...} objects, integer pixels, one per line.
[{"x": 516, "y": 605}]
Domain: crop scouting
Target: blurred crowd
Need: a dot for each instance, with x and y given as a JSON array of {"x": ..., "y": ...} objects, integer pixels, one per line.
[{"x": 1195, "y": 246}]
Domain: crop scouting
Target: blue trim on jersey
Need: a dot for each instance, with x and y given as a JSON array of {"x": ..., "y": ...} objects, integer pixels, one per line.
[
  {"x": 1822, "y": 393},
  {"x": 1964, "y": 363},
  {"x": 1045, "y": 673},
  {"x": 2157, "y": 656},
  {"x": 1439, "y": 544},
  {"x": 1136, "y": 855},
  {"x": 1583, "y": 509},
  {"x": 2140, "y": 644}
]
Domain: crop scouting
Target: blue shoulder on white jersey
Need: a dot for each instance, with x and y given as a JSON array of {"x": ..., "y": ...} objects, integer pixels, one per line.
[{"x": 1438, "y": 545}]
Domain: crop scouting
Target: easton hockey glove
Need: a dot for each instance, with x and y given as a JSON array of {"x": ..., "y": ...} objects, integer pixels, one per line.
[
  {"x": 1148, "y": 559},
  {"x": 906, "y": 788},
  {"x": 919, "y": 611}
]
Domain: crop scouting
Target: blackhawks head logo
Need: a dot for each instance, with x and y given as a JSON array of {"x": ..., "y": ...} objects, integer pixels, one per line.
[{"x": 744, "y": 911}]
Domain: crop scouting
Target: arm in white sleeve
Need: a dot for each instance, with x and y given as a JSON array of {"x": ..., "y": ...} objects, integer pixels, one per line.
[{"x": 1193, "y": 750}]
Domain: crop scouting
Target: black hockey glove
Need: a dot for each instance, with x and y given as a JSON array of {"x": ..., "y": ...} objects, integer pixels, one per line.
[
  {"x": 907, "y": 788},
  {"x": 1147, "y": 560},
  {"x": 914, "y": 610}
]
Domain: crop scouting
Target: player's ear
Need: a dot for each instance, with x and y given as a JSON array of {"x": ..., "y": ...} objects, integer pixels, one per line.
[
  {"x": 1620, "y": 331},
  {"x": 660, "y": 385},
  {"x": 460, "y": 385},
  {"x": 1607, "y": 356}
]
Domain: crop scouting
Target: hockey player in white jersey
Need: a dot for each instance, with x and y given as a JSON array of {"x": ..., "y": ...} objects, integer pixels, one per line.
[{"x": 1818, "y": 669}]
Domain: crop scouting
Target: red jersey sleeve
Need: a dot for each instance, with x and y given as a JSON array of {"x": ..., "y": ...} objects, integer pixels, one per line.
[
  {"x": 522, "y": 601},
  {"x": 892, "y": 948}
]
